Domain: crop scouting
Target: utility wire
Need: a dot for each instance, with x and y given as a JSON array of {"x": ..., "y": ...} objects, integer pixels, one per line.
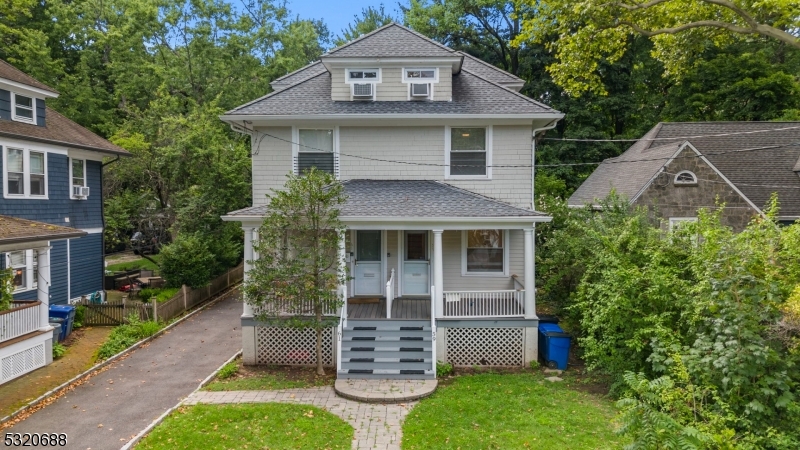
[{"x": 677, "y": 138}]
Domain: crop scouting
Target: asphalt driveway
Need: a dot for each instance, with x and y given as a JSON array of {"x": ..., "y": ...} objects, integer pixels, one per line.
[{"x": 115, "y": 405}]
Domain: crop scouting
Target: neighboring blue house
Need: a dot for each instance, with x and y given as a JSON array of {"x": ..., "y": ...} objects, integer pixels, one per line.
[{"x": 52, "y": 172}]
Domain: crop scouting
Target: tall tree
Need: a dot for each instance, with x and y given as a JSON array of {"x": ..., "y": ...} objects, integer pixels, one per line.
[
  {"x": 296, "y": 273},
  {"x": 680, "y": 29},
  {"x": 371, "y": 19}
]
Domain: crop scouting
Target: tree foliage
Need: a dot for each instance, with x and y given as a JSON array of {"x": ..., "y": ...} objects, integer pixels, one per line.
[
  {"x": 370, "y": 20},
  {"x": 296, "y": 274},
  {"x": 591, "y": 32},
  {"x": 188, "y": 261}
]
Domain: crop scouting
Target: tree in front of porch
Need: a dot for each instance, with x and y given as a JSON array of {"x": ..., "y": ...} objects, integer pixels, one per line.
[
  {"x": 294, "y": 278},
  {"x": 6, "y": 288}
]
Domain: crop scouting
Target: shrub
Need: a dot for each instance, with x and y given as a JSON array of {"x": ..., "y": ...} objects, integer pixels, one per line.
[
  {"x": 80, "y": 316},
  {"x": 161, "y": 295},
  {"x": 187, "y": 261},
  {"x": 443, "y": 369},
  {"x": 58, "y": 350},
  {"x": 126, "y": 335},
  {"x": 6, "y": 288},
  {"x": 535, "y": 364},
  {"x": 228, "y": 370}
]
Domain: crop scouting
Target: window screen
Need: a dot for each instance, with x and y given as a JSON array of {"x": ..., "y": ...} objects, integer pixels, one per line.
[
  {"x": 315, "y": 150},
  {"x": 485, "y": 251},
  {"x": 15, "y": 171},
  {"x": 37, "y": 173}
]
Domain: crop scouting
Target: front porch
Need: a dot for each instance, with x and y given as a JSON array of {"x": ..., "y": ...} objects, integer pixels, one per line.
[{"x": 402, "y": 308}]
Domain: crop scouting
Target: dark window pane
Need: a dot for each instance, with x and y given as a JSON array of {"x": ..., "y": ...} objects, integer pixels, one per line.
[
  {"x": 15, "y": 183},
  {"x": 485, "y": 260},
  {"x": 467, "y": 163},
  {"x": 22, "y": 112},
  {"x": 416, "y": 248},
  {"x": 37, "y": 184},
  {"x": 322, "y": 161},
  {"x": 21, "y": 100},
  {"x": 369, "y": 245},
  {"x": 485, "y": 239},
  {"x": 19, "y": 278},
  {"x": 468, "y": 138}
]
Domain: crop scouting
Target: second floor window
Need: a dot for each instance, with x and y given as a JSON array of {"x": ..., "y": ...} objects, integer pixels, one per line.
[
  {"x": 315, "y": 149},
  {"x": 468, "y": 155},
  {"x": 24, "y": 109},
  {"x": 25, "y": 173}
]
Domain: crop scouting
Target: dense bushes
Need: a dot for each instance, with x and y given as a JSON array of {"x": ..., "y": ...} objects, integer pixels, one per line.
[
  {"x": 161, "y": 295},
  {"x": 187, "y": 261},
  {"x": 699, "y": 327},
  {"x": 126, "y": 335}
]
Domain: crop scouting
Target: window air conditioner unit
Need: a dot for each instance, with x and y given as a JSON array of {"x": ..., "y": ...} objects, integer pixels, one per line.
[
  {"x": 362, "y": 90},
  {"x": 420, "y": 89},
  {"x": 80, "y": 191}
]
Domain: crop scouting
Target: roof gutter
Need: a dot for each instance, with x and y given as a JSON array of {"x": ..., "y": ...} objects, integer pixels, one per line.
[
  {"x": 63, "y": 144},
  {"x": 536, "y": 131}
]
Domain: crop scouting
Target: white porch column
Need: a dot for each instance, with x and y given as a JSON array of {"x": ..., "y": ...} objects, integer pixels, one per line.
[
  {"x": 343, "y": 272},
  {"x": 248, "y": 256},
  {"x": 438, "y": 274},
  {"x": 43, "y": 286},
  {"x": 530, "y": 285}
]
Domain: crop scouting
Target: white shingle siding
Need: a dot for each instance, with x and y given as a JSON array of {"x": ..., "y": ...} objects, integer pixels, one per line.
[
  {"x": 272, "y": 160},
  {"x": 455, "y": 281}
]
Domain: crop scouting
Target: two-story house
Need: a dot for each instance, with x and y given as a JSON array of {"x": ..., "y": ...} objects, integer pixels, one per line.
[
  {"x": 435, "y": 150},
  {"x": 52, "y": 171}
]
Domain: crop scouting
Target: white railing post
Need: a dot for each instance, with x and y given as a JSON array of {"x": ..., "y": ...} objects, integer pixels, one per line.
[
  {"x": 43, "y": 287},
  {"x": 389, "y": 295},
  {"x": 438, "y": 275},
  {"x": 530, "y": 286},
  {"x": 342, "y": 274},
  {"x": 433, "y": 331}
]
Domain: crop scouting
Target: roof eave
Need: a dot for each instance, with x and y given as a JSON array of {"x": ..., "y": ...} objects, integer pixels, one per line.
[
  {"x": 65, "y": 144},
  {"x": 234, "y": 118}
]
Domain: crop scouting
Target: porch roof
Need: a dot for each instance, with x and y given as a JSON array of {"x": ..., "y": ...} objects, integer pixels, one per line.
[
  {"x": 16, "y": 232},
  {"x": 404, "y": 201}
]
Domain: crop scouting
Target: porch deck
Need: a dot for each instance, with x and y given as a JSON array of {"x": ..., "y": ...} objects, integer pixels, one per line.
[{"x": 402, "y": 308}]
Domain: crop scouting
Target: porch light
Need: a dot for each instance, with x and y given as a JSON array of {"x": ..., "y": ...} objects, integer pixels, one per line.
[{"x": 465, "y": 134}]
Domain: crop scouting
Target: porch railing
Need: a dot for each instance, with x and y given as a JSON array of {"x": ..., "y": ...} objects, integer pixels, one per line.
[
  {"x": 19, "y": 321},
  {"x": 280, "y": 307},
  {"x": 389, "y": 295},
  {"x": 470, "y": 304}
]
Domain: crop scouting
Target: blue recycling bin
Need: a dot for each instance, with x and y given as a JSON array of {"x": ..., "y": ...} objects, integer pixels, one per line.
[
  {"x": 554, "y": 345},
  {"x": 66, "y": 312}
]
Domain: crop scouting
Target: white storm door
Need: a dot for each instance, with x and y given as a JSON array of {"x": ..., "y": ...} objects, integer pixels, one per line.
[
  {"x": 368, "y": 263},
  {"x": 416, "y": 264}
]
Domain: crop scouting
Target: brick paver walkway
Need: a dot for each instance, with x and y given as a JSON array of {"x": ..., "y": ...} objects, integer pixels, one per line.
[{"x": 377, "y": 426}]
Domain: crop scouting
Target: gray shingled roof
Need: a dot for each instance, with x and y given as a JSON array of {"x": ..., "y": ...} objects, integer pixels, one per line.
[
  {"x": 471, "y": 95},
  {"x": 413, "y": 199},
  {"x": 10, "y": 72},
  {"x": 14, "y": 230},
  {"x": 391, "y": 40},
  {"x": 315, "y": 68},
  {"x": 734, "y": 155},
  {"x": 488, "y": 71}
]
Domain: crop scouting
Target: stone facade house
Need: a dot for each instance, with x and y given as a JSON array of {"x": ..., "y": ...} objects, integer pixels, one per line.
[
  {"x": 678, "y": 168},
  {"x": 435, "y": 150}
]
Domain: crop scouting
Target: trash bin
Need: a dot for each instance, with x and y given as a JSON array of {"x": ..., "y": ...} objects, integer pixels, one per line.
[
  {"x": 56, "y": 329},
  {"x": 66, "y": 312},
  {"x": 61, "y": 325},
  {"x": 554, "y": 345}
]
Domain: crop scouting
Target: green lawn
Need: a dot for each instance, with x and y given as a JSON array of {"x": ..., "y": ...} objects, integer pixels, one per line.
[
  {"x": 256, "y": 426},
  {"x": 504, "y": 411},
  {"x": 266, "y": 378},
  {"x": 140, "y": 263}
]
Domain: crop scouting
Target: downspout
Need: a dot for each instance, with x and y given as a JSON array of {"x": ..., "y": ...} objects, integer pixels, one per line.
[
  {"x": 536, "y": 131},
  {"x": 103, "y": 234}
]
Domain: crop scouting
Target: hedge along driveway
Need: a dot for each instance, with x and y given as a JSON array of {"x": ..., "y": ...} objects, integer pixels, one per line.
[{"x": 116, "y": 404}]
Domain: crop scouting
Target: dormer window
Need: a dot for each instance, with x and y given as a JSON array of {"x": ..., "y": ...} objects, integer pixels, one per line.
[
  {"x": 362, "y": 83},
  {"x": 24, "y": 109},
  {"x": 420, "y": 81},
  {"x": 421, "y": 75},
  {"x": 685, "y": 178}
]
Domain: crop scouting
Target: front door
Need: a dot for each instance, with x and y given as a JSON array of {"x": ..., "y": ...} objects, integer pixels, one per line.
[
  {"x": 368, "y": 263},
  {"x": 416, "y": 264}
]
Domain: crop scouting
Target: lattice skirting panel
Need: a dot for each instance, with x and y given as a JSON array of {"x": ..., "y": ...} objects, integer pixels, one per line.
[
  {"x": 293, "y": 346},
  {"x": 20, "y": 363},
  {"x": 484, "y": 346}
]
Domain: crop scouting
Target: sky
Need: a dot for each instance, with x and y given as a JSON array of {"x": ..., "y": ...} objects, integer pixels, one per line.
[{"x": 337, "y": 14}]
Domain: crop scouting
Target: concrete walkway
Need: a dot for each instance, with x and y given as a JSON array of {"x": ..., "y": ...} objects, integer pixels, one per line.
[
  {"x": 115, "y": 405},
  {"x": 377, "y": 426}
]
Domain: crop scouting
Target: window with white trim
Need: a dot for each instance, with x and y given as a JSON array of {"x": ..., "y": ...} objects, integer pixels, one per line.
[
  {"x": 468, "y": 152},
  {"x": 77, "y": 176},
  {"x": 363, "y": 83},
  {"x": 420, "y": 75},
  {"x": 24, "y": 173},
  {"x": 24, "y": 265},
  {"x": 363, "y": 75},
  {"x": 484, "y": 252},
  {"x": 315, "y": 149},
  {"x": 24, "y": 109},
  {"x": 685, "y": 177}
]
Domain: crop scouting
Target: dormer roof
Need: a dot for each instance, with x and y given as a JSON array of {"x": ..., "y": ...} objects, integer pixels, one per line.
[
  {"x": 391, "y": 41},
  {"x": 11, "y": 73}
]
